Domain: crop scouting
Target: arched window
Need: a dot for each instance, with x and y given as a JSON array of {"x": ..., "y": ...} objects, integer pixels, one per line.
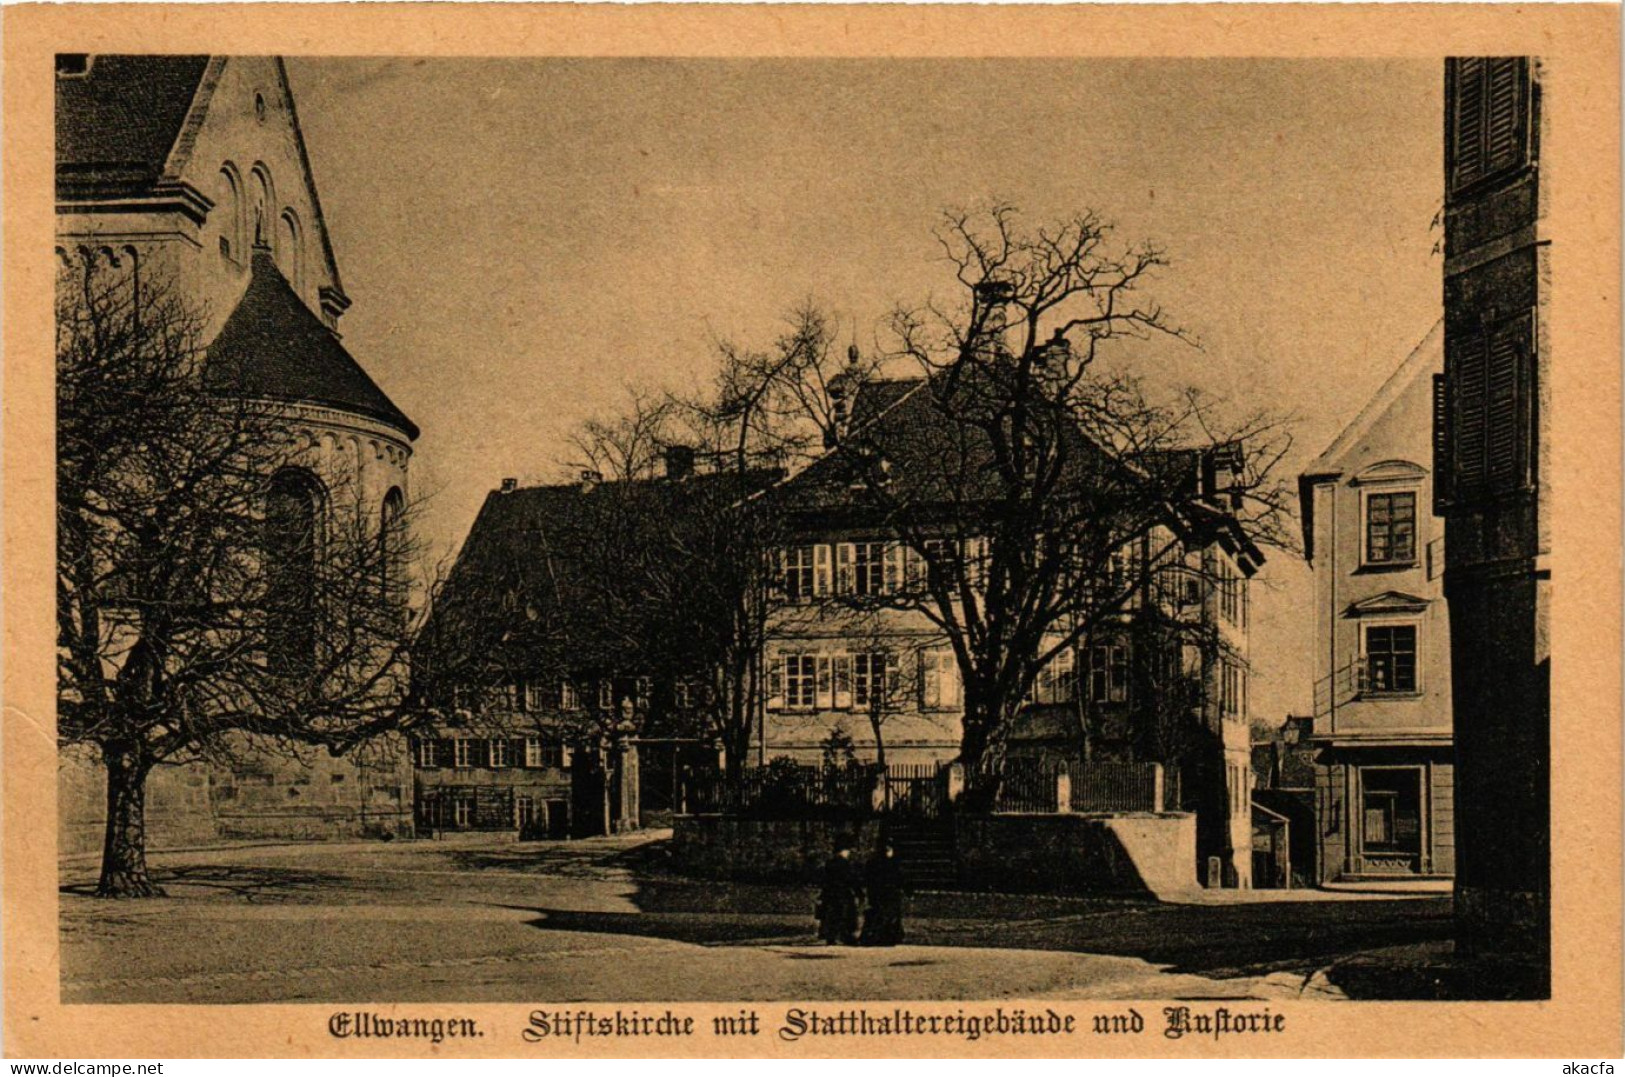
[
  {"x": 290, "y": 250},
  {"x": 262, "y": 197},
  {"x": 293, "y": 523},
  {"x": 391, "y": 547},
  {"x": 229, "y": 211}
]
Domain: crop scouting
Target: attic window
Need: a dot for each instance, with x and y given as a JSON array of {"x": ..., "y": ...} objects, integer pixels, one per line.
[
  {"x": 259, "y": 107},
  {"x": 72, "y": 64}
]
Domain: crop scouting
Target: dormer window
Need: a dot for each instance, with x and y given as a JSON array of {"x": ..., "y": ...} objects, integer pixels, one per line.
[{"x": 70, "y": 65}]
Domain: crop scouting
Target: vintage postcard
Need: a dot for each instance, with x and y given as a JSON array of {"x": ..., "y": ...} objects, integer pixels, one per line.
[{"x": 812, "y": 531}]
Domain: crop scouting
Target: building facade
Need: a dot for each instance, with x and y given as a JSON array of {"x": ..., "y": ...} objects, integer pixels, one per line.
[
  {"x": 193, "y": 170},
  {"x": 1385, "y": 764},
  {"x": 564, "y": 709},
  {"x": 1492, "y": 431},
  {"x": 851, "y": 658}
]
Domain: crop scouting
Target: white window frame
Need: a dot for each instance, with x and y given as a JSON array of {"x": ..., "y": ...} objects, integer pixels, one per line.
[
  {"x": 460, "y": 752},
  {"x": 533, "y": 753},
  {"x": 569, "y": 698},
  {"x": 499, "y": 753},
  {"x": 800, "y": 563}
]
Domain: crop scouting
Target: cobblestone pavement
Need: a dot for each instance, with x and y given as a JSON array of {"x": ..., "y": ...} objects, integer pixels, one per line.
[{"x": 601, "y": 920}]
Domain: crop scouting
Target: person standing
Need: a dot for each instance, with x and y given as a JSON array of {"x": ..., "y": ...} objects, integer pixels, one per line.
[
  {"x": 838, "y": 901},
  {"x": 883, "y": 920}
]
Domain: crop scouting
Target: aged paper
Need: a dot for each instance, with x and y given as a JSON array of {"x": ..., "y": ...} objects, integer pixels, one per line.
[{"x": 1291, "y": 777}]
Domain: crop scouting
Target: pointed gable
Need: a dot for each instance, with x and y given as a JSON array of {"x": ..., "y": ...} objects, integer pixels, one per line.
[{"x": 274, "y": 347}]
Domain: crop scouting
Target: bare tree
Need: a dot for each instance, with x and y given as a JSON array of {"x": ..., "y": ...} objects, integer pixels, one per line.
[
  {"x": 207, "y": 596},
  {"x": 1037, "y": 489}
]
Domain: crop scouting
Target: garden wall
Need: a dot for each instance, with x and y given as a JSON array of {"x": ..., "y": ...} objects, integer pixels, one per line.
[
  {"x": 1131, "y": 853},
  {"x": 722, "y": 847},
  {"x": 1126, "y": 853}
]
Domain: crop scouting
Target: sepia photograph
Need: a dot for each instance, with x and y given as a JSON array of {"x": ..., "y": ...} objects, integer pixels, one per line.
[{"x": 836, "y": 530}]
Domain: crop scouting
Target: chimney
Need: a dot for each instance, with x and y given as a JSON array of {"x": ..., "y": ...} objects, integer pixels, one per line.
[
  {"x": 510, "y": 485},
  {"x": 679, "y": 461},
  {"x": 589, "y": 479},
  {"x": 841, "y": 388}
]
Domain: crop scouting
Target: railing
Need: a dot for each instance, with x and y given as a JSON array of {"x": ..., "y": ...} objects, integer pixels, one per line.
[
  {"x": 1036, "y": 786},
  {"x": 1102, "y": 787},
  {"x": 784, "y": 793},
  {"x": 1340, "y": 687}
]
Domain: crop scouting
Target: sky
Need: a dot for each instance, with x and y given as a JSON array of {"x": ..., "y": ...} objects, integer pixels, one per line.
[{"x": 525, "y": 241}]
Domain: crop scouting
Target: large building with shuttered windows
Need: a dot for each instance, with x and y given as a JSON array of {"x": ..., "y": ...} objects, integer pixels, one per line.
[
  {"x": 1384, "y": 764},
  {"x": 853, "y": 658},
  {"x": 1492, "y": 483}
]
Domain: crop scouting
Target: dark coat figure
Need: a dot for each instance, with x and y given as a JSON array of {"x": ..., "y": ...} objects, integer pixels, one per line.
[
  {"x": 838, "y": 900},
  {"x": 883, "y": 921}
]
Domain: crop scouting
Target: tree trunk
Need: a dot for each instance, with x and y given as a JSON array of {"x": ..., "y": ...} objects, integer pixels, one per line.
[
  {"x": 124, "y": 848},
  {"x": 975, "y": 741}
]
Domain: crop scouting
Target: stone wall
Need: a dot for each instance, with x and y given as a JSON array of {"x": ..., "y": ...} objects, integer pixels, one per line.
[
  {"x": 1124, "y": 854},
  {"x": 262, "y": 796},
  {"x": 1128, "y": 853},
  {"x": 720, "y": 847}
]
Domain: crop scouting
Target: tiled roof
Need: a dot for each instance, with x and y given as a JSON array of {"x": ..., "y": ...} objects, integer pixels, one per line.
[
  {"x": 542, "y": 549},
  {"x": 931, "y": 457},
  {"x": 116, "y": 124},
  {"x": 274, "y": 346}
]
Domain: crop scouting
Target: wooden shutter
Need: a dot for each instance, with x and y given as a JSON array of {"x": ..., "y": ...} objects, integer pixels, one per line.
[
  {"x": 775, "y": 682},
  {"x": 1443, "y": 472},
  {"x": 894, "y": 568},
  {"x": 821, "y": 569},
  {"x": 845, "y": 553},
  {"x": 1507, "y": 431},
  {"x": 842, "y": 669},
  {"x": 1468, "y": 118},
  {"x": 823, "y": 687},
  {"x": 1504, "y": 114},
  {"x": 1468, "y": 381},
  {"x": 1489, "y": 117}
]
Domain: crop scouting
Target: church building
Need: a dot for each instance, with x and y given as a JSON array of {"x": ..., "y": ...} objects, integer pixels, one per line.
[{"x": 194, "y": 169}]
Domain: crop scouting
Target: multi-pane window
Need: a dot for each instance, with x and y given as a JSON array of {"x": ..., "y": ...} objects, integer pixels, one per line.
[
  {"x": 462, "y": 752},
  {"x": 535, "y": 697},
  {"x": 1056, "y": 682},
  {"x": 500, "y": 752},
  {"x": 1108, "y": 673},
  {"x": 541, "y": 753},
  {"x": 463, "y": 812},
  {"x": 1390, "y": 528},
  {"x": 428, "y": 752},
  {"x": 798, "y": 573},
  {"x": 800, "y": 681},
  {"x": 569, "y": 700},
  {"x": 1390, "y": 655},
  {"x": 606, "y": 695},
  {"x": 1232, "y": 689},
  {"x": 866, "y": 573},
  {"x": 872, "y": 674},
  {"x": 939, "y": 680}
]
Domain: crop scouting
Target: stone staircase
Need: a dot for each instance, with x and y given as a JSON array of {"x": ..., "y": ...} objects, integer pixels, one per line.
[{"x": 925, "y": 851}]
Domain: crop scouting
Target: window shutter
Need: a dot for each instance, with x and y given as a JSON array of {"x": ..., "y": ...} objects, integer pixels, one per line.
[
  {"x": 930, "y": 680},
  {"x": 1468, "y": 381},
  {"x": 894, "y": 679},
  {"x": 566, "y": 756},
  {"x": 821, "y": 569},
  {"x": 844, "y": 554},
  {"x": 824, "y": 699},
  {"x": 842, "y": 664},
  {"x": 1507, "y": 429},
  {"x": 775, "y": 679},
  {"x": 516, "y": 751},
  {"x": 1468, "y": 144},
  {"x": 1443, "y": 473},
  {"x": 894, "y": 567},
  {"x": 445, "y": 752},
  {"x": 1503, "y": 123}
]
